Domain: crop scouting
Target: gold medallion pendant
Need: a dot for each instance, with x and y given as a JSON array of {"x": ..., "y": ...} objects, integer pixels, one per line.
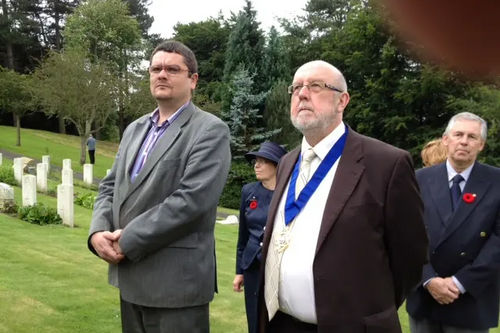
[{"x": 283, "y": 240}]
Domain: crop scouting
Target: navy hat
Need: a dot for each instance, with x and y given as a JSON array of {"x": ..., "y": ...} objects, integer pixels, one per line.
[{"x": 268, "y": 150}]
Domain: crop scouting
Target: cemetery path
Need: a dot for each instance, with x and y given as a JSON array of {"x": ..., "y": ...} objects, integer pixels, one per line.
[
  {"x": 78, "y": 175},
  {"x": 10, "y": 155}
]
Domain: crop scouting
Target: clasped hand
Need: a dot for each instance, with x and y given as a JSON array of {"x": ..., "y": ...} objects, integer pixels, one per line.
[
  {"x": 444, "y": 291},
  {"x": 107, "y": 246}
]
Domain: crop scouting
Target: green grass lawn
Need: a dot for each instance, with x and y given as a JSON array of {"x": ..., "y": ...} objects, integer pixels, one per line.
[
  {"x": 35, "y": 144},
  {"x": 48, "y": 273},
  {"x": 50, "y": 282}
]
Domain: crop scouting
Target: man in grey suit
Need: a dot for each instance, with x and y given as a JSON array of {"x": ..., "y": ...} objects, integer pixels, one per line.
[{"x": 155, "y": 214}]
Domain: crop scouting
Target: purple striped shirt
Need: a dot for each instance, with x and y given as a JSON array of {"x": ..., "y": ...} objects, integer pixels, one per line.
[{"x": 154, "y": 134}]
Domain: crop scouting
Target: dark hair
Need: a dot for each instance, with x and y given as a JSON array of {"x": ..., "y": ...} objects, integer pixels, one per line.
[{"x": 172, "y": 46}]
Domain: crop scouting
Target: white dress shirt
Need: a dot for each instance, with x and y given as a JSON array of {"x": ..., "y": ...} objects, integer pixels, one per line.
[{"x": 296, "y": 288}]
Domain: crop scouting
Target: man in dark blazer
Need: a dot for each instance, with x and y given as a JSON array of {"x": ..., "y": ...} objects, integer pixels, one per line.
[
  {"x": 459, "y": 291},
  {"x": 343, "y": 251},
  {"x": 155, "y": 214}
]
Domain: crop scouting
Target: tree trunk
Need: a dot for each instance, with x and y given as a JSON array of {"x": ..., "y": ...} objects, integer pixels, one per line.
[
  {"x": 8, "y": 44},
  {"x": 83, "y": 149},
  {"x": 18, "y": 125},
  {"x": 62, "y": 125},
  {"x": 57, "y": 26}
]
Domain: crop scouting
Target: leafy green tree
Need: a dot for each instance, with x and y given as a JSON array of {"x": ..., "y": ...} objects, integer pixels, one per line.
[
  {"x": 111, "y": 36},
  {"x": 208, "y": 40},
  {"x": 15, "y": 96},
  {"x": 68, "y": 84}
]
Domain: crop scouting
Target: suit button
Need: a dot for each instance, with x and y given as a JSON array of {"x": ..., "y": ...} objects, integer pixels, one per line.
[
  {"x": 264, "y": 228},
  {"x": 260, "y": 243},
  {"x": 462, "y": 254},
  {"x": 433, "y": 252},
  {"x": 483, "y": 234}
]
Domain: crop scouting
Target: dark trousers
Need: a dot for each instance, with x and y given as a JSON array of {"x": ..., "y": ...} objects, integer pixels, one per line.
[
  {"x": 92, "y": 156},
  {"x": 251, "y": 287},
  {"x": 283, "y": 323},
  {"x": 430, "y": 326},
  {"x": 143, "y": 319}
]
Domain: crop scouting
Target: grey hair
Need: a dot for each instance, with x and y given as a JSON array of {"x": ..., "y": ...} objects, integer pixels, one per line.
[
  {"x": 342, "y": 82},
  {"x": 471, "y": 117}
]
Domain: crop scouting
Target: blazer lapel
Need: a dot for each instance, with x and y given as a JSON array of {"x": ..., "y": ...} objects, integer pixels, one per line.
[
  {"x": 440, "y": 193},
  {"x": 138, "y": 136},
  {"x": 476, "y": 184},
  {"x": 161, "y": 147},
  {"x": 346, "y": 178},
  {"x": 287, "y": 165}
]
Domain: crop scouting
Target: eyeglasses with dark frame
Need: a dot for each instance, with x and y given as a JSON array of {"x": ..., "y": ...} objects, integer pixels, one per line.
[
  {"x": 170, "y": 70},
  {"x": 314, "y": 87}
]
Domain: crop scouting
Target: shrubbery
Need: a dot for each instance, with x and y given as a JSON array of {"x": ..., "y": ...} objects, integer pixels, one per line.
[
  {"x": 7, "y": 175},
  {"x": 39, "y": 214},
  {"x": 85, "y": 200},
  {"x": 9, "y": 207},
  {"x": 241, "y": 173}
]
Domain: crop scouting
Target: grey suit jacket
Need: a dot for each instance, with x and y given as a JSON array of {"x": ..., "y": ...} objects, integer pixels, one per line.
[{"x": 168, "y": 213}]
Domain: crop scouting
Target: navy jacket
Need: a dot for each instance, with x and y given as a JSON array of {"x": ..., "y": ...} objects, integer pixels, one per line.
[
  {"x": 465, "y": 244},
  {"x": 255, "y": 200}
]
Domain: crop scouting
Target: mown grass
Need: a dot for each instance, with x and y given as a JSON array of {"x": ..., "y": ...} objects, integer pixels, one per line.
[
  {"x": 50, "y": 282},
  {"x": 35, "y": 144}
]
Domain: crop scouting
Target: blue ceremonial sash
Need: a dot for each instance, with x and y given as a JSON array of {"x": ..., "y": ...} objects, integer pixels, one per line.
[{"x": 292, "y": 206}]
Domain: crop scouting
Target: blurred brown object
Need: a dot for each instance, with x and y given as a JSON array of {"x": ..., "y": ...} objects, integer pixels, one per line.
[
  {"x": 457, "y": 34},
  {"x": 434, "y": 152}
]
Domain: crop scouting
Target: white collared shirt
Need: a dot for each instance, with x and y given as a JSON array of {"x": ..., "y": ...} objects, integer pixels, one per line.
[
  {"x": 296, "y": 289},
  {"x": 452, "y": 173}
]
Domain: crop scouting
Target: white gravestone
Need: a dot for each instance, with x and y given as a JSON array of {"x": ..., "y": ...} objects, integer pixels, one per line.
[
  {"x": 88, "y": 177},
  {"x": 231, "y": 219},
  {"x": 1, "y": 158},
  {"x": 6, "y": 195},
  {"x": 65, "y": 207},
  {"x": 67, "y": 164},
  {"x": 18, "y": 169},
  {"x": 46, "y": 161},
  {"x": 67, "y": 177},
  {"x": 29, "y": 190},
  {"x": 41, "y": 177}
]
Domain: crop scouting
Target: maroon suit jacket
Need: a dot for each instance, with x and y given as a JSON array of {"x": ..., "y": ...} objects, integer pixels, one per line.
[{"x": 372, "y": 243}]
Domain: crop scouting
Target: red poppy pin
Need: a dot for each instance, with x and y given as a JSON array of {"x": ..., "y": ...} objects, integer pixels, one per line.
[
  {"x": 469, "y": 198},
  {"x": 253, "y": 204}
]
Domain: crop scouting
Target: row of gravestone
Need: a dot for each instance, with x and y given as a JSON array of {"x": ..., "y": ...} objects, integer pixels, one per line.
[
  {"x": 31, "y": 183},
  {"x": 65, "y": 191}
]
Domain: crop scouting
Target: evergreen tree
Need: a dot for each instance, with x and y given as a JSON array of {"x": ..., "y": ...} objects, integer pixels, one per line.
[
  {"x": 246, "y": 46},
  {"x": 243, "y": 116},
  {"x": 277, "y": 116},
  {"x": 276, "y": 60}
]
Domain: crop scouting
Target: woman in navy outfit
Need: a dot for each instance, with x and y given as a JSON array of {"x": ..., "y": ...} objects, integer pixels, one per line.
[{"x": 255, "y": 200}]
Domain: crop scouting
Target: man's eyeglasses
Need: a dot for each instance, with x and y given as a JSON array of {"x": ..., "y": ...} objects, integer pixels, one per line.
[
  {"x": 170, "y": 70},
  {"x": 314, "y": 87}
]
